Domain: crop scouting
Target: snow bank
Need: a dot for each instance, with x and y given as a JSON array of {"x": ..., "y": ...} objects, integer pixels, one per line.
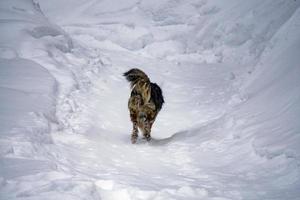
[
  {"x": 273, "y": 92},
  {"x": 239, "y": 31},
  {"x": 28, "y": 88}
]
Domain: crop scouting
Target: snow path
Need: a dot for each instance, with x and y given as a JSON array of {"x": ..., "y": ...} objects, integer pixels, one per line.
[
  {"x": 216, "y": 137},
  {"x": 103, "y": 145}
]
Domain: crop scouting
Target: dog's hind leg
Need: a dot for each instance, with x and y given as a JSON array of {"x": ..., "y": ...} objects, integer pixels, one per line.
[
  {"x": 133, "y": 104},
  {"x": 147, "y": 135},
  {"x": 147, "y": 130},
  {"x": 134, "y": 134}
]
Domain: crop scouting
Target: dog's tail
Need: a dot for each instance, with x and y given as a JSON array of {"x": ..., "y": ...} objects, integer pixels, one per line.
[{"x": 134, "y": 75}]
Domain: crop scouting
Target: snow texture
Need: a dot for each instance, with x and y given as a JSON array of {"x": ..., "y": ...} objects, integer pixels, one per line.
[{"x": 229, "y": 71}]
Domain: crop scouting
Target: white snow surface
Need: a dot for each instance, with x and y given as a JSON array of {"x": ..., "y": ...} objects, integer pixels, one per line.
[{"x": 229, "y": 71}]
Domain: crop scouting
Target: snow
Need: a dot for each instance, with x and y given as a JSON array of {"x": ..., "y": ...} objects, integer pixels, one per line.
[{"x": 229, "y": 72}]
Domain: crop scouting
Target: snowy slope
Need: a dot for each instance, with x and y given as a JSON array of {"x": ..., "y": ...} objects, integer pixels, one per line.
[
  {"x": 27, "y": 92},
  {"x": 230, "y": 76}
]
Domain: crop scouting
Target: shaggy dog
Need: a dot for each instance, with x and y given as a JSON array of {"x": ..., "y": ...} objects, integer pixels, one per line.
[{"x": 145, "y": 102}]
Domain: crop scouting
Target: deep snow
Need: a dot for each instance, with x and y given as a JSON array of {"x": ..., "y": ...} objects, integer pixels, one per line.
[{"x": 229, "y": 72}]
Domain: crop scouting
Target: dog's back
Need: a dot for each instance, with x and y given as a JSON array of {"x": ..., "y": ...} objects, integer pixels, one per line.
[{"x": 141, "y": 85}]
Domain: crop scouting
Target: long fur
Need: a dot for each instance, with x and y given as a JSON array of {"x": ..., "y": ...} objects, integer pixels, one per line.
[
  {"x": 156, "y": 96},
  {"x": 146, "y": 100}
]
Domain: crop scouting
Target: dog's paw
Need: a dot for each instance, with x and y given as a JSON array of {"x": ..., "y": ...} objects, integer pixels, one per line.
[
  {"x": 147, "y": 137},
  {"x": 133, "y": 139}
]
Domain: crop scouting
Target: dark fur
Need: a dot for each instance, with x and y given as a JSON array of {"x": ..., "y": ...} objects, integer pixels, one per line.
[{"x": 145, "y": 102}]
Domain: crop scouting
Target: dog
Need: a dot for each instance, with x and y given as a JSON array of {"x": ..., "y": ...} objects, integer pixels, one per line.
[{"x": 145, "y": 102}]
